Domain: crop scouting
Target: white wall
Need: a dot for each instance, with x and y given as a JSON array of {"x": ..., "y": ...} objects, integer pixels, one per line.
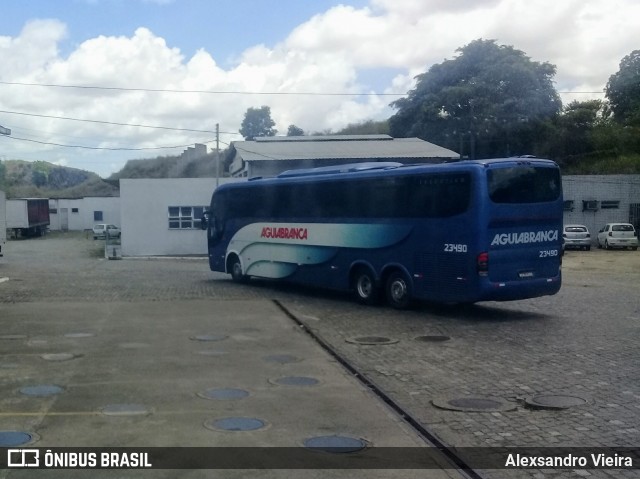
[
  {"x": 579, "y": 188},
  {"x": 145, "y": 219},
  {"x": 82, "y": 219}
]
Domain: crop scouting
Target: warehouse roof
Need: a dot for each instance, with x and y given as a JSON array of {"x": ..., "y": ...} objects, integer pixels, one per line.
[{"x": 337, "y": 147}]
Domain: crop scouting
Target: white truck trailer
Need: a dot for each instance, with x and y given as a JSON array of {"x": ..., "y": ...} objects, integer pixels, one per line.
[{"x": 3, "y": 222}]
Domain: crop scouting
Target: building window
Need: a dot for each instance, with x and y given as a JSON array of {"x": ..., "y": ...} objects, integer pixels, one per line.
[
  {"x": 75, "y": 210},
  {"x": 185, "y": 217},
  {"x": 610, "y": 205},
  {"x": 590, "y": 205},
  {"x": 53, "y": 211},
  {"x": 568, "y": 205},
  {"x": 97, "y": 216}
]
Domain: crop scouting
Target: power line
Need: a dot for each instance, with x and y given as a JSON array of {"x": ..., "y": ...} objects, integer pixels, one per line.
[
  {"x": 111, "y": 122},
  {"x": 104, "y": 148},
  {"x": 208, "y": 92}
]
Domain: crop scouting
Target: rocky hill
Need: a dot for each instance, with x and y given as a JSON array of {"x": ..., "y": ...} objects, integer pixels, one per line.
[{"x": 40, "y": 179}]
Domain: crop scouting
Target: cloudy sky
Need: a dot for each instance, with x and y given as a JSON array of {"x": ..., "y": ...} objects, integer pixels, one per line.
[{"x": 122, "y": 66}]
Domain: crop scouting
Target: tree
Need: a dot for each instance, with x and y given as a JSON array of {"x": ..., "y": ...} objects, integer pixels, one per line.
[
  {"x": 257, "y": 122},
  {"x": 295, "y": 131},
  {"x": 623, "y": 90},
  {"x": 492, "y": 97}
]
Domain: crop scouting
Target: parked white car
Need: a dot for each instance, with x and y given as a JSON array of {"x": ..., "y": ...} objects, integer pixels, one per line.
[
  {"x": 576, "y": 236},
  {"x": 103, "y": 230},
  {"x": 618, "y": 235}
]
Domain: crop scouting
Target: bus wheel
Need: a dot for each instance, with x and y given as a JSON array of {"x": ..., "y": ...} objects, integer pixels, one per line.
[
  {"x": 398, "y": 290},
  {"x": 364, "y": 285},
  {"x": 235, "y": 268}
]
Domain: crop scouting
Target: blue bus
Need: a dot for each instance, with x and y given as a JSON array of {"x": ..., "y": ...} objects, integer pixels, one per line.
[{"x": 457, "y": 232}]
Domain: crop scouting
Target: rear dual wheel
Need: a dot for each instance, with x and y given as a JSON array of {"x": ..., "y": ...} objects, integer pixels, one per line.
[
  {"x": 365, "y": 287},
  {"x": 398, "y": 290}
]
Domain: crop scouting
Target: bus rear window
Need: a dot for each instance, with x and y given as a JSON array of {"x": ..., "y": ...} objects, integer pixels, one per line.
[{"x": 524, "y": 184}]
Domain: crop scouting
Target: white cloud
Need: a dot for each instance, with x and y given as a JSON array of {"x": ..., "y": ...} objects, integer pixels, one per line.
[{"x": 585, "y": 40}]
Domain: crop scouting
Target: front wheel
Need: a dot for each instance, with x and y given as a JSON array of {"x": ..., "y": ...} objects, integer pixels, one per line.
[
  {"x": 235, "y": 269},
  {"x": 398, "y": 290}
]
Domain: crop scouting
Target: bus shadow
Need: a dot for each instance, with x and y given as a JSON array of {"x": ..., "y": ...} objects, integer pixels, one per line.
[
  {"x": 478, "y": 312},
  {"x": 481, "y": 312}
]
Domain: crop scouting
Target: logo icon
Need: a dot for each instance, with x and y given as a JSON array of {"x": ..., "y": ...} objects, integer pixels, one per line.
[{"x": 23, "y": 458}]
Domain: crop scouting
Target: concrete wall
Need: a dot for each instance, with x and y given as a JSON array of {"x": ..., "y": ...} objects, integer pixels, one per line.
[
  {"x": 78, "y": 214},
  {"x": 599, "y": 189},
  {"x": 145, "y": 207}
]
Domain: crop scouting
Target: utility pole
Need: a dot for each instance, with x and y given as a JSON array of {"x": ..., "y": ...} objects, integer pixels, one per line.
[{"x": 217, "y": 154}]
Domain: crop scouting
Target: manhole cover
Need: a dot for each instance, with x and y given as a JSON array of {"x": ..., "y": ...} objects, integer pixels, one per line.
[
  {"x": 210, "y": 352},
  {"x": 208, "y": 337},
  {"x": 555, "y": 401},
  {"x": 41, "y": 390},
  {"x": 235, "y": 424},
  {"x": 473, "y": 404},
  {"x": 58, "y": 356},
  {"x": 297, "y": 381},
  {"x": 372, "y": 340},
  {"x": 282, "y": 358},
  {"x": 125, "y": 410},
  {"x": 432, "y": 338},
  {"x": 224, "y": 393},
  {"x": 12, "y": 337},
  {"x": 134, "y": 345},
  {"x": 14, "y": 438},
  {"x": 78, "y": 335},
  {"x": 335, "y": 444}
]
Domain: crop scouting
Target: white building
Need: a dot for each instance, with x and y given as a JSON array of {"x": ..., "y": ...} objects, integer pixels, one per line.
[
  {"x": 78, "y": 214},
  {"x": 271, "y": 155},
  {"x": 595, "y": 200},
  {"x": 160, "y": 217}
]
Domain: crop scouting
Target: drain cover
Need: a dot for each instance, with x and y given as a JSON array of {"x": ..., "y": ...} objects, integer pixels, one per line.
[
  {"x": 58, "y": 356},
  {"x": 335, "y": 444},
  {"x": 297, "y": 381},
  {"x": 208, "y": 337},
  {"x": 235, "y": 424},
  {"x": 224, "y": 393},
  {"x": 433, "y": 338},
  {"x": 282, "y": 358},
  {"x": 41, "y": 390},
  {"x": 10, "y": 337},
  {"x": 473, "y": 404},
  {"x": 210, "y": 352},
  {"x": 372, "y": 340},
  {"x": 78, "y": 335},
  {"x": 555, "y": 401},
  {"x": 14, "y": 438},
  {"x": 125, "y": 410}
]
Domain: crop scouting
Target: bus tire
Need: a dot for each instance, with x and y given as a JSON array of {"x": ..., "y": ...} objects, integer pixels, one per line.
[
  {"x": 398, "y": 290},
  {"x": 235, "y": 270},
  {"x": 364, "y": 286}
]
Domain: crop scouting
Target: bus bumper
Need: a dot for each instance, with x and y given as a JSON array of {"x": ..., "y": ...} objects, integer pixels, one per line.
[{"x": 515, "y": 290}]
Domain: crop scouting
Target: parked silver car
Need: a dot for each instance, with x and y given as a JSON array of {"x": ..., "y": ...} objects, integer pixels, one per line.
[
  {"x": 618, "y": 235},
  {"x": 576, "y": 236},
  {"x": 103, "y": 230}
]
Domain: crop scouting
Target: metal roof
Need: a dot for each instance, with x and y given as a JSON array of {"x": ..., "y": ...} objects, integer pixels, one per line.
[{"x": 356, "y": 147}]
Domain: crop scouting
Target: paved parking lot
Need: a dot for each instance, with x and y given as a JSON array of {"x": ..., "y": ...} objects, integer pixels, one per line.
[{"x": 475, "y": 376}]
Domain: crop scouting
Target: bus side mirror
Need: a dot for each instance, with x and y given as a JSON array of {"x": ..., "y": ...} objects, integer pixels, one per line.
[{"x": 204, "y": 221}]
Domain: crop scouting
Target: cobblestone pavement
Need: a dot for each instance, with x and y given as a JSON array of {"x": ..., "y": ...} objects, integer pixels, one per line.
[{"x": 581, "y": 343}]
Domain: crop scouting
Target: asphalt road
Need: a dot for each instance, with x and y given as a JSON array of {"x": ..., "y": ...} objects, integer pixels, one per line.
[{"x": 549, "y": 372}]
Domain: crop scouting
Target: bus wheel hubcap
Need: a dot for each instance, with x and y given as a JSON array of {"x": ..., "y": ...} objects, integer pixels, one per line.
[
  {"x": 365, "y": 287},
  {"x": 398, "y": 290}
]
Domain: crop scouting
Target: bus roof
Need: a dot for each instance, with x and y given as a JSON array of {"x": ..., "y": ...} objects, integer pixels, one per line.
[{"x": 372, "y": 169}]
